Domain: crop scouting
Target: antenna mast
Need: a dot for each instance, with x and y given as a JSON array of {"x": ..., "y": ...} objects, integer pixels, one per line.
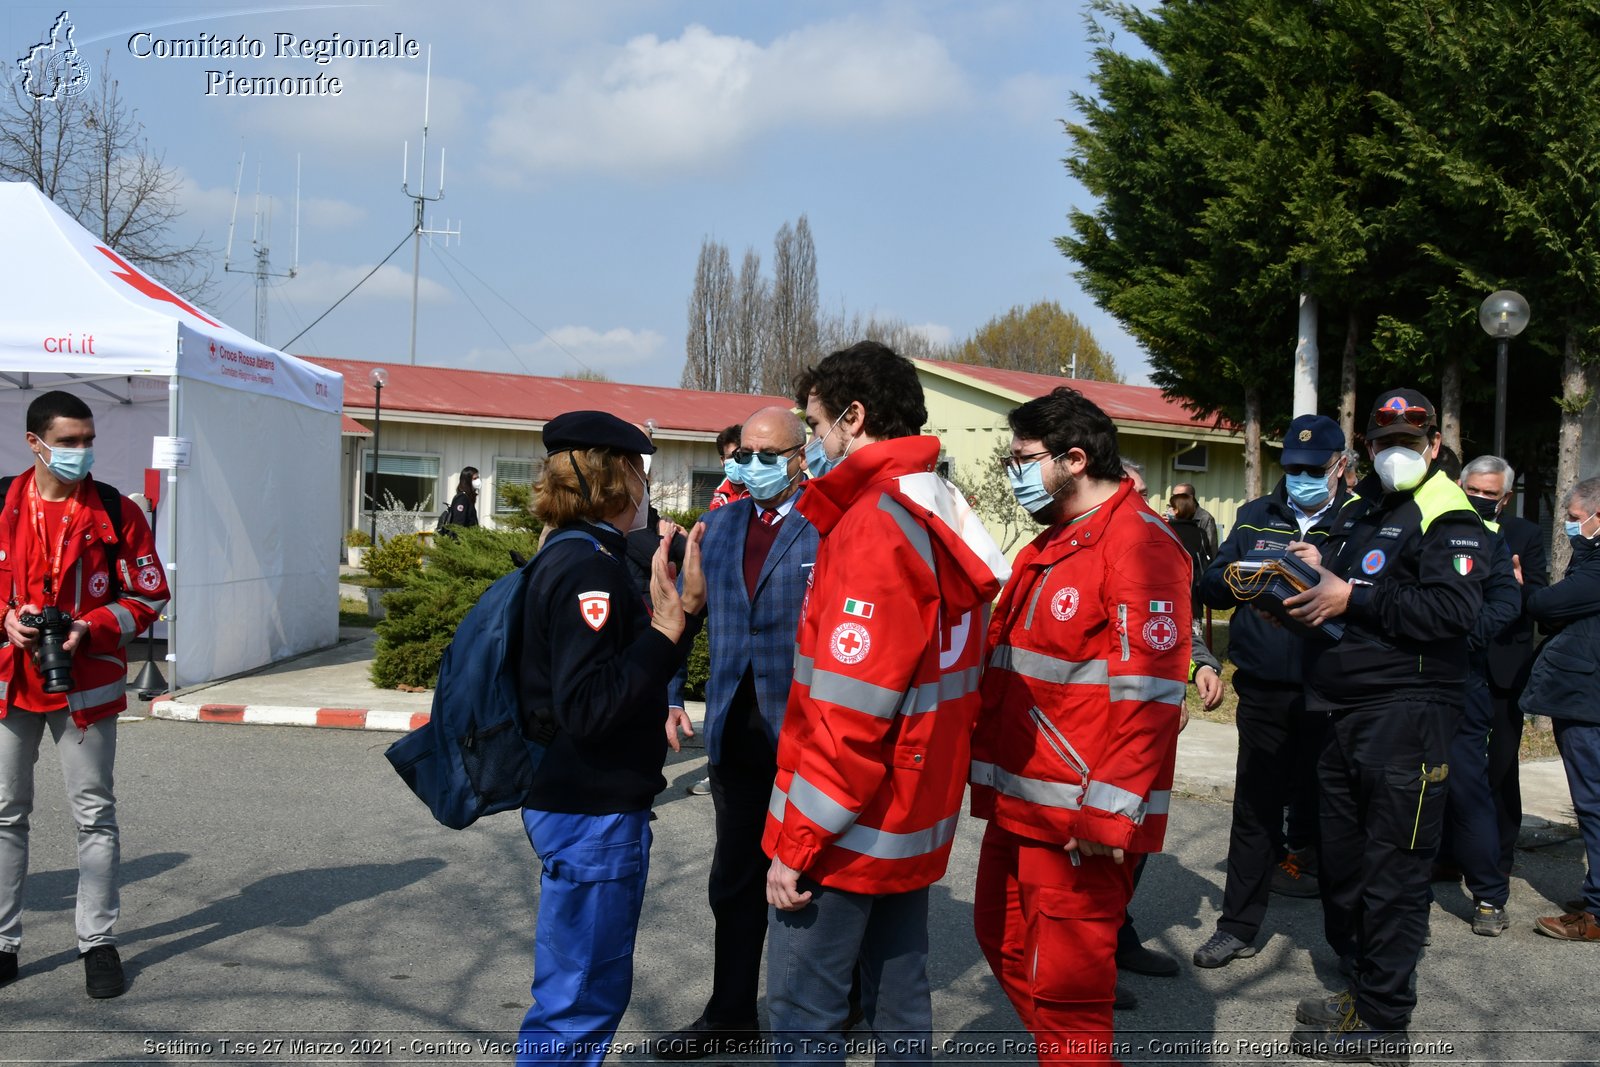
[
  {"x": 260, "y": 251},
  {"x": 421, "y": 198}
]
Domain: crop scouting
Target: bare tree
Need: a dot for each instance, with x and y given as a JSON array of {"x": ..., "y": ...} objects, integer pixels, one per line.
[
  {"x": 710, "y": 316},
  {"x": 89, "y": 154},
  {"x": 751, "y": 331},
  {"x": 845, "y": 329},
  {"x": 794, "y": 306}
]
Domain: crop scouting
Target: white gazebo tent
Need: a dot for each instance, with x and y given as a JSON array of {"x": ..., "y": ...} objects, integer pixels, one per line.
[{"x": 249, "y": 530}]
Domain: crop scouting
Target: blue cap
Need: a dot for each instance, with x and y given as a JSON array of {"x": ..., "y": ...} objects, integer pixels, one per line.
[
  {"x": 594, "y": 429},
  {"x": 1311, "y": 439}
]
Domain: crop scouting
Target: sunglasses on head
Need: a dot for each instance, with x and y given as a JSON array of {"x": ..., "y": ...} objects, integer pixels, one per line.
[
  {"x": 744, "y": 455},
  {"x": 1416, "y": 416}
]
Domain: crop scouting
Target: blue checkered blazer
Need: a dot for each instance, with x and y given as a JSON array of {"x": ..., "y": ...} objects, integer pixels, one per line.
[{"x": 747, "y": 635}]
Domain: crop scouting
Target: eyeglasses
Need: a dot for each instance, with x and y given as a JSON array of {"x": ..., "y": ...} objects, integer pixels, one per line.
[
  {"x": 744, "y": 455},
  {"x": 1306, "y": 468},
  {"x": 1014, "y": 464},
  {"x": 1416, "y": 416}
]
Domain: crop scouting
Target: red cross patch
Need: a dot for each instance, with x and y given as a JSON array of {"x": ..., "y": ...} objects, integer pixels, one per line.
[
  {"x": 595, "y": 607},
  {"x": 850, "y": 642},
  {"x": 150, "y": 578},
  {"x": 1064, "y": 605},
  {"x": 99, "y": 582},
  {"x": 1161, "y": 633}
]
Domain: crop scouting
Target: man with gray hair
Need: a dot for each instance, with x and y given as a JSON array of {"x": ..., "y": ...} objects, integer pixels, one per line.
[
  {"x": 1563, "y": 686},
  {"x": 1488, "y": 481}
]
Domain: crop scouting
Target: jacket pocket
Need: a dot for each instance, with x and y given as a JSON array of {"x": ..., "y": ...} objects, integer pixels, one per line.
[
  {"x": 910, "y": 759},
  {"x": 1053, "y": 737}
]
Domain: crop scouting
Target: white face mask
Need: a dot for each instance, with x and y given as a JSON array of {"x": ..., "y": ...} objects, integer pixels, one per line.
[
  {"x": 1400, "y": 468},
  {"x": 477, "y": 483},
  {"x": 642, "y": 515}
]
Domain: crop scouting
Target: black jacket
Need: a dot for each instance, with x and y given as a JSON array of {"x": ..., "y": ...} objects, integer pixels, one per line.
[
  {"x": 601, "y": 675},
  {"x": 1502, "y": 604},
  {"x": 1564, "y": 683},
  {"x": 463, "y": 510},
  {"x": 1421, "y": 558},
  {"x": 1260, "y": 650},
  {"x": 1511, "y": 651}
]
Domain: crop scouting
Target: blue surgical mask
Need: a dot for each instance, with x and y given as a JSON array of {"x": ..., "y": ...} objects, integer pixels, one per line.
[
  {"x": 766, "y": 481},
  {"x": 1028, "y": 487},
  {"x": 818, "y": 462},
  {"x": 1572, "y": 529},
  {"x": 731, "y": 469},
  {"x": 1308, "y": 490},
  {"x": 70, "y": 464}
]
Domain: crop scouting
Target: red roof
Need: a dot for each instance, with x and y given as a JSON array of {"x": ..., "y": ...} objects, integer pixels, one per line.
[
  {"x": 1131, "y": 403},
  {"x": 489, "y": 394},
  {"x": 351, "y": 427}
]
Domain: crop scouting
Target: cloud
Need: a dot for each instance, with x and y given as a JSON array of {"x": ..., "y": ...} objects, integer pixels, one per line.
[
  {"x": 378, "y": 110},
  {"x": 321, "y": 283},
  {"x": 1032, "y": 99},
  {"x": 213, "y": 208},
  {"x": 934, "y": 332},
  {"x": 618, "y": 352},
  {"x": 688, "y": 103}
]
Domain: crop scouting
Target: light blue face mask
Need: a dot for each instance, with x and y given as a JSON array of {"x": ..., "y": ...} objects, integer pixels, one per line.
[
  {"x": 1307, "y": 490},
  {"x": 1028, "y": 487},
  {"x": 70, "y": 464},
  {"x": 818, "y": 462},
  {"x": 766, "y": 481},
  {"x": 1574, "y": 531},
  {"x": 731, "y": 469}
]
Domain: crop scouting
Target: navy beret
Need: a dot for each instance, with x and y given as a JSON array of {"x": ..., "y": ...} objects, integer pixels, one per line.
[{"x": 595, "y": 429}]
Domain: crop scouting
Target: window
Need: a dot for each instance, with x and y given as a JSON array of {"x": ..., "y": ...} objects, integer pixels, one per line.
[
  {"x": 701, "y": 485},
  {"x": 412, "y": 480},
  {"x": 1192, "y": 460},
  {"x": 509, "y": 471}
]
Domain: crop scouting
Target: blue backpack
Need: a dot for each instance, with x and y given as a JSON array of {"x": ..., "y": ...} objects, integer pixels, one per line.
[{"x": 471, "y": 758}]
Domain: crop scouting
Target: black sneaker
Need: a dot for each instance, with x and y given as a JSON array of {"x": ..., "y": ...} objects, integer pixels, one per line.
[
  {"x": 1222, "y": 948},
  {"x": 1146, "y": 961},
  {"x": 102, "y": 972},
  {"x": 1353, "y": 1041},
  {"x": 701, "y": 1039},
  {"x": 8, "y": 966},
  {"x": 1489, "y": 920},
  {"x": 1295, "y": 876}
]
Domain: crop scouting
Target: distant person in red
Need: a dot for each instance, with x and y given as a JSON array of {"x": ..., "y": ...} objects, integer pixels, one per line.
[
  {"x": 79, "y": 571},
  {"x": 731, "y": 488}
]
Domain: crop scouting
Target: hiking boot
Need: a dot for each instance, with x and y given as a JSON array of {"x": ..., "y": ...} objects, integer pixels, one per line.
[
  {"x": 1573, "y": 926},
  {"x": 1351, "y": 1040},
  {"x": 102, "y": 972},
  {"x": 8, "y": 967},
  {"x": 701, "y": 1039},
  {"x": 1222, "y": 949},
  {"x": 1489, "y": 920},
  {"x": 1325, "y": 1011},
  {"x": 1295, "y": 875},
  {"x": 1146, "y": 961}
]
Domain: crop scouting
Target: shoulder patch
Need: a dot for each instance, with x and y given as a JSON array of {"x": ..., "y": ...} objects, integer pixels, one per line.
[
  {"x": 1064, "y": 605},
  {"x": 1161, "y": 633},
  {"x": 850, "y": 642},
  {"x": 1390, "y": 532},
  {"x": 595, "y": 608}
]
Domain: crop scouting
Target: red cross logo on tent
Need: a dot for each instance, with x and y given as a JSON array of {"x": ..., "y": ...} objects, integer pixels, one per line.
[{"x": 595, "y": 607}]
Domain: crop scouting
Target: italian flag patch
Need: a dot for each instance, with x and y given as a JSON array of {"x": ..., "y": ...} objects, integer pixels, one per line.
[
  {"x": 1463, "y": 564},
  {"x": 1161, "y": 607},
  {"x": 860, "y": 608}
]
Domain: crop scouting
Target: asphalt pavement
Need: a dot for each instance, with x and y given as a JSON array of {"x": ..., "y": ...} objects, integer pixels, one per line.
[{"x": 286, "y": 900}]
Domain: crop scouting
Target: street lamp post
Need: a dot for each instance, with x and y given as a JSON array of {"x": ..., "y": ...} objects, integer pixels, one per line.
[
  {"x": 1503, "y": 315},
  {"x": 379, "y": 378}
]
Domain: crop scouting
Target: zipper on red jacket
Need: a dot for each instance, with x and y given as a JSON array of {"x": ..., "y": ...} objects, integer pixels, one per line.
[
  {"x": 1122, "y": 631},
  {"x": 1038, "y": 588},
  {"x": 1058, "y": 741}
]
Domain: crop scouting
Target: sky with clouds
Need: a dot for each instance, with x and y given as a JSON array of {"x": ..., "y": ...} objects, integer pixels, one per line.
[{"x": 589, "y": 147}]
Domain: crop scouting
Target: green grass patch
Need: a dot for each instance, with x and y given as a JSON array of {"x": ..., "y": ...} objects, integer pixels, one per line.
[{"x": 353, "y": 612}]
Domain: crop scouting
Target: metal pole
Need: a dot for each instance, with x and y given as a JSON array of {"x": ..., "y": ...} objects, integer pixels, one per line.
[
  {"x": 377, "y": 438},
  {"x": 1502, "y": 347}
]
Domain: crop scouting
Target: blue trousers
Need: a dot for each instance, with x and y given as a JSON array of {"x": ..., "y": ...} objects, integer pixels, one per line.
[
  {"x": 1472, "y": 823},
  {"x": 811, "y": 954},
  {"x": 1579, "y": 743},
  {"x": 590, "y": 894}
]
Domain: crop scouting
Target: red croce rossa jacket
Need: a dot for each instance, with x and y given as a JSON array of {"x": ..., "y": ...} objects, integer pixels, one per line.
[
  {"x": 1088, "y": 654},
  {"x": 115, "y": 610},
  {"x": 877, "y": 732}
]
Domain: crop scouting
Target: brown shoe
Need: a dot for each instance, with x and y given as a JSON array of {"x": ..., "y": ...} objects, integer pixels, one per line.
[{"x": 1573, "y": 926}]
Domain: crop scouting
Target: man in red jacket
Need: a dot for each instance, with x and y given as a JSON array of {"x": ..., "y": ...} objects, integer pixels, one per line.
[
  {"x": 83, "y": 559},
  {"x": 876, "y": 732},
  {"x": 1072, "y": 757}
]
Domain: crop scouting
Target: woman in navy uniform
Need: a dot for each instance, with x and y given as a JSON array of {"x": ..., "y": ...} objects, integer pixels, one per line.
[{"x": 596, "y": 662}]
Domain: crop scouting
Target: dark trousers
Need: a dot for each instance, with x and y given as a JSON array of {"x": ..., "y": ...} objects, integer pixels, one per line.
[
  {"x": 1472, "y": 826},
  {"x": 1279, "y": 743},
  {"x": 1384, "y": 785},
  {"x": 1579, "y": 744},
  {"x": 741, "y": 785},
  {"x": 1505, "y": 784}
]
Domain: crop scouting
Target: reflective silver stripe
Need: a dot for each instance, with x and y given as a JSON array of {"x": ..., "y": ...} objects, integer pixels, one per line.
[
  {"x": 1116, "y": 800},
  {"x": 1042, "y": 668},
  {"x": 123, "y": 616},
  {"x": 887, "y": 845},
  {"x": 153, "y": 605},
  {"x": 93, "y": 698},
  {"x": 1144, "y": 687},
  {"x": 803, "y": 666},
  {"x": 1161, "y": 525},
  {"x": 1160, "y": 801},
  {"x": 815, "y": 805},
  {"x": 952, "y": 686},
  {"x": 1033, "y": 790},
  {"x": 3, "y": 687},
  {"x": 855, "y": 694},
  {"x": 910, "y": 527}
]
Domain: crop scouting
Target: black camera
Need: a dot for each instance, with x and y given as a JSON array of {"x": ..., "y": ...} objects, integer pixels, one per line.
[{"x": 55, "y": 663}]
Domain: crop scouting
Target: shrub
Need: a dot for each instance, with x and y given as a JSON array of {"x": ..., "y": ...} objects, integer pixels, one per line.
[
  {"x": 395, "y": 559},
  {"x": 422, "y": 615},
  {"x": 357, "y": 539},
  {"x": 699, "y": 668},
  {"x": 686, "y": 519}
]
